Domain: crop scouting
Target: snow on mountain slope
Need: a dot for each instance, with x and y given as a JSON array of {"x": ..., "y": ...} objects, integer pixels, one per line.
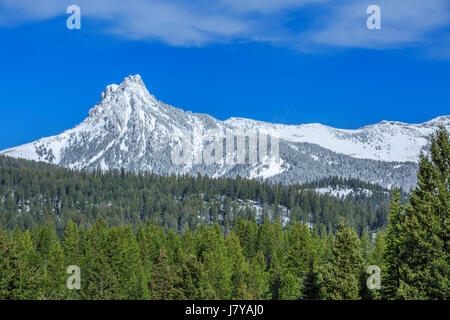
[
  {"x": 342, "y": 192},
  {"x": 385, "y": 141},
  {"x": 129, "y": 128}
]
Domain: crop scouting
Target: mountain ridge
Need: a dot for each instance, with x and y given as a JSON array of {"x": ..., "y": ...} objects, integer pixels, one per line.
[{"x": 129, "y": 128}]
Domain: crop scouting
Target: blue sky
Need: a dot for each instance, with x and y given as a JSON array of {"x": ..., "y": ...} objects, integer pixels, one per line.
[{"x": 288, "y": 61}]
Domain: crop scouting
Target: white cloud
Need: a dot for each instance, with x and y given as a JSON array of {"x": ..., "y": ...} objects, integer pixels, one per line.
[
  {"x": 403, "y": 22},
  {"x": 331, "y": 23},
  {"x": 173, "y": 22},
  {"x": 268, "y": 6}
]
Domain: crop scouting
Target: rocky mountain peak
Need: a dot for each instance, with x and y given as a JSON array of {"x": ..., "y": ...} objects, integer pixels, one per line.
[{"x": 118, "y": 101}]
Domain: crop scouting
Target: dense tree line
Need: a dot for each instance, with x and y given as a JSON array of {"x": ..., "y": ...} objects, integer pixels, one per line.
[
  {"x": 120, "y": 262},
  {"x": 33, "y": 194}
]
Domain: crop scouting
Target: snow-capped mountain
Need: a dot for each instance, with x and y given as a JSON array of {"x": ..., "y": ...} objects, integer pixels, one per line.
[
  {"x": 131, "y": 129},
  {"x": 385, "y": 141}
]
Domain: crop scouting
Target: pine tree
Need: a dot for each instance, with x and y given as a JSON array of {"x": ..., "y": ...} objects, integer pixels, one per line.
[
  {"x": 123, "y": 257},
  {"x": 53, "y": 283},
  {"x": 312, "y": 288},
  {"x": 239, "y": 268},
  {"x": 71, "y": 244},
  {"x": 193, "y": 281},
  {"x": 258, "y": 278},
  {"x": 425, "y": 230},
  {"x": 216, "y": 261},
  {"x": 164, "y": 280},
  {"x": 19, "y": 271},
  {"x": 377, "y": 259},
  {"x": 298, "y": 255},
  {"x": 98, "y": 280},
  {"x": 300, "y": 250},
  {"x": 393, "y": 254},
  {"x": 341, "y": 278},
  {"x": 275, "y": 277},
  {"x": 290, "y": 288},
  {"x": 379, "y": 248}
]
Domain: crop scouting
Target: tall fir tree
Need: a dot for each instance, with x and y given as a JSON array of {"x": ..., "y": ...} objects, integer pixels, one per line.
[
  {"x": 258, "y": 281},
  {"x": 98, "y": 280},
  {"x": 377, "y": 259},
  {"x": 312, "y": 288},
  {"x": 164, "y": 280},
  {"x": 424, "y": 245},
  {"x": 300, "y": 251},
  {"x": 54, "y": 279},
  {"x": 239, "y": 268},
  {"x": 341, "y": 278},
  {"x": 393, "y": 254},
  {"x": 20, "y": 274}
]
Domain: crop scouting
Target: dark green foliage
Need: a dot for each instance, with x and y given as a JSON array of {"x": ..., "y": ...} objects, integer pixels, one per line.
[
  {"x": 19, "y": 268},
  {"x": 393, "y": 252},
  {"x": 138, "y": 236},
  {"x": 418, "y": 238},
  {"x": 117, "y": 262},
  {"x": 342, "y": 276},
  {"x": 312, "y": 288},
  {"x": 35, "y": 194}
]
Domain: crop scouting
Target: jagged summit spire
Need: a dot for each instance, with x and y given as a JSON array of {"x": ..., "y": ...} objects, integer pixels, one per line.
[
  {"x": 132, "y": 79},
  {"x": 118, "y": 98},
  {"x": 132, "y": 82}
]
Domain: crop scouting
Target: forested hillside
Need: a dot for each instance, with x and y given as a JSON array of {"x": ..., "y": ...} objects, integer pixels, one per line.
[{"x": 34, "y": 194}]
